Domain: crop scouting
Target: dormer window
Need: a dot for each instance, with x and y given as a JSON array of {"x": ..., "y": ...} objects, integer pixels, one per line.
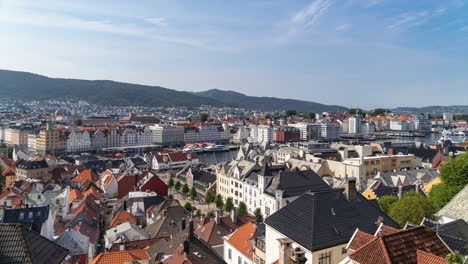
[{"x": 21, "y": 216}]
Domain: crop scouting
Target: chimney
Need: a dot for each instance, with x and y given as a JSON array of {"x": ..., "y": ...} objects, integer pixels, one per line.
[
  {"x": 187, "y": 247},
  {"x": 183, "y": 225},
  {"x": 122, "y": 246},
  {"x": 218, "y": 221},
  {"x": 400, "y": 192},
  {"x": 233, "y": 216},
  {"x": 285, "y": 250},
  {"x": 79, "y": 222},
  {"x": 190, "y": 228},
  {"x": 125, "y": 205},
  {"x": 350, "y": 190}
]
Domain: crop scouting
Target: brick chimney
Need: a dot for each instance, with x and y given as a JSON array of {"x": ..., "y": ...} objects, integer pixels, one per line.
[
  {"x": 351, "y": 190},
  {"x": 285, "y": 250}
]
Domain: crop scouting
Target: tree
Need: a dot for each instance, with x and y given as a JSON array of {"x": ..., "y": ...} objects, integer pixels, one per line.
[
  {"x": 198, "y": 212},
  {"x": 242, "y": 209},
  {"x": 177, "y": 185},
  {"x": 309, "y": 115},
  {"x": 203, "y": 117},
  {"x": 379, "y": 111},
  {"x": 193, "y": 193},
  {"x": 229, "y": 205},
  {"x": 290, "y": 112},
  {"x": 258, "y": 216},
  {"x": 78, "y": 122},
  {"x": 385, "y": 203},
  {"x": 456, "y": 258},
  {"x": 209, "y": 198},
  {"x": 170, "y": 183},
  {"x": 453, "y": 176},
  {"x": 441, "y": 194},
  {"x": 210, "y": 214},
  {"x": 170, "y": 197},
  {"x": 219, "y": 201},
  {"x": 353, "y": 111},
  {"x": 454, "y": 173},
  {"x": 188, "y": 206},
  {"x": 185, "y": 189},
  {"x": 411, "y": 208}
]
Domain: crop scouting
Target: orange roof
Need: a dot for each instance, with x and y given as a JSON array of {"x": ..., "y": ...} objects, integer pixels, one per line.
[
  {"x": 122, "y": 217},
  {"x": 119, "y": 257},
  {"x": 94, "y": 192},
  {"x": 86, "y": 175},
  {"x": 428, "y": 258},
  {"x": 75, "y": 194},
  {"x": 9, "y": 171},
  {"x": 240, "y": 239}
]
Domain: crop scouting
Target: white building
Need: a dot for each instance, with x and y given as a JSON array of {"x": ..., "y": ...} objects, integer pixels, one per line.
[
  {"x": 354, "y": 125},
  {"x": 330, "y": 131},
  {"x": 32, "y": 139},
  {"x": 78, "y": 141},
  {"x": 259, "y": 134},
  {"x": 167, "y": 134}
]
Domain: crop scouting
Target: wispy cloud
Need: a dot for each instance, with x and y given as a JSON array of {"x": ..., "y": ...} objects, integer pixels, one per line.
[
  {"x": 371, "y": 3},
  {"x": 343, "y": 27},
  {"x": 159, "y": 21},
  {"x": 311, "y": 13},
  {"x": 464, "y": 28},
  {"x": 413, "y": 19}
]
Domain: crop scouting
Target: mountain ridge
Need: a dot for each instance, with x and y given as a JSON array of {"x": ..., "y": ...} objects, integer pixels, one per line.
[{"x": 26, "y": 85}]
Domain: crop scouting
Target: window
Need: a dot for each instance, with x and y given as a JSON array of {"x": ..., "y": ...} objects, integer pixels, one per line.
[
  {"x": 229, "y": 254},
  {"x": 21, "y": 216},
  {"x": 325, "y": 258},
  {"x": 239, "y": 260}
]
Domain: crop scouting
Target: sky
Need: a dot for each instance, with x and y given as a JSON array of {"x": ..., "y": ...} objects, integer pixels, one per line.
[{"x": 354, "y": 53}]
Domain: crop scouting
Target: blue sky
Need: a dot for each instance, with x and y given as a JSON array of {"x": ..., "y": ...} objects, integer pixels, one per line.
[{"x": 365, "y": 53}]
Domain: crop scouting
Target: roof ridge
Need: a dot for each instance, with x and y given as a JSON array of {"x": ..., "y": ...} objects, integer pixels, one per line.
[
  {"x": 313, "y": 216},
  {"x": 386, "y": 255}
]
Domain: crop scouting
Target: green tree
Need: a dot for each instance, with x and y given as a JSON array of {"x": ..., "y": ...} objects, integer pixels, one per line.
[
  {"x": 290, "y": 112},
  {"x": 309, "y": 115},
  {"x": 258, "y": 216},
  {"x": 193, "y": 193},
  {"x": 353, "y": 111},
  {"x": 456, "y": 258},
  {"x": 203, "y": 117},
  {"x": 379, "y": 111},
  {"x": 219, "y": 201},
  {"x": 411, "y": 208},
  {"x": 209, "y": 198},
  {"x": 229, "y": 205},
  {"x": 170, "y": 183},
  {"x": 210, "y": 214},
  {"x": 188, "y": 206},
  {"x": 170, "y": 197},
  {"x": 385, "y": 202},
  {"x": 242, "y": 209},
  {"x": 197, "y": 212},
  {"x": 441, "y": 194},
  {"x": 78, "y": 122},
  {"x": 185, "y": 189},
  {"x": 454, "y": 173},
  {"x": 177, "y": 185}
]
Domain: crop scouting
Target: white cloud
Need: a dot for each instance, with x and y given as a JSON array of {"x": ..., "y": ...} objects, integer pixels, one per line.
[
  {"x": 311, "y": 13},
  {"x": 343, "y": 27},
  {"x": 157, "y": 21},
  {"x": 408, "y": 20}
]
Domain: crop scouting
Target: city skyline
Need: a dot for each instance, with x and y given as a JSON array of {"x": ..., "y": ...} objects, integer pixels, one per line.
[{"x": 331, "y": 52}]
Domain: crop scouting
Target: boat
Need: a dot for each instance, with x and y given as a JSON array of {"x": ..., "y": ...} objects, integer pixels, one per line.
[
  {"x": 216, "y": 148},
  {"x": 193, "y": 148}
]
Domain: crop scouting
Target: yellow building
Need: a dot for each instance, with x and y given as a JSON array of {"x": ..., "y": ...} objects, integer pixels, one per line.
[
  {"x": 10, "y": 175},
  {"x": 50, "y": 140},
  {"x": 388, "y": 163},
  {"x": 27, "y": 169}
]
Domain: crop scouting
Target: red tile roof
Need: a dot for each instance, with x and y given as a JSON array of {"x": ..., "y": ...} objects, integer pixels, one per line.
[
  {"x": 122, "y": 217},
  {"x": 181, "y": 257},
  {"x": 75, "y": 195},
  {"x": 241, "y": 239},
  {"x": 119, "y": 257},
  {"x": 360, "y": 239},
  {"x": 428, "y": 258},
  {"x": 86, "y": 175},
  {"x": 400, "y": 247}
]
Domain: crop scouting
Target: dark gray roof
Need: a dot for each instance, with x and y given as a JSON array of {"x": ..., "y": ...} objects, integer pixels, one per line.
[
  {"x": 295, "y": 183},
  {"x": 325, "y": 219},
  {"x": 30, "y": 165},
  {"x": 20, "y": 245},
  {"x": 32, "y": 217}
]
